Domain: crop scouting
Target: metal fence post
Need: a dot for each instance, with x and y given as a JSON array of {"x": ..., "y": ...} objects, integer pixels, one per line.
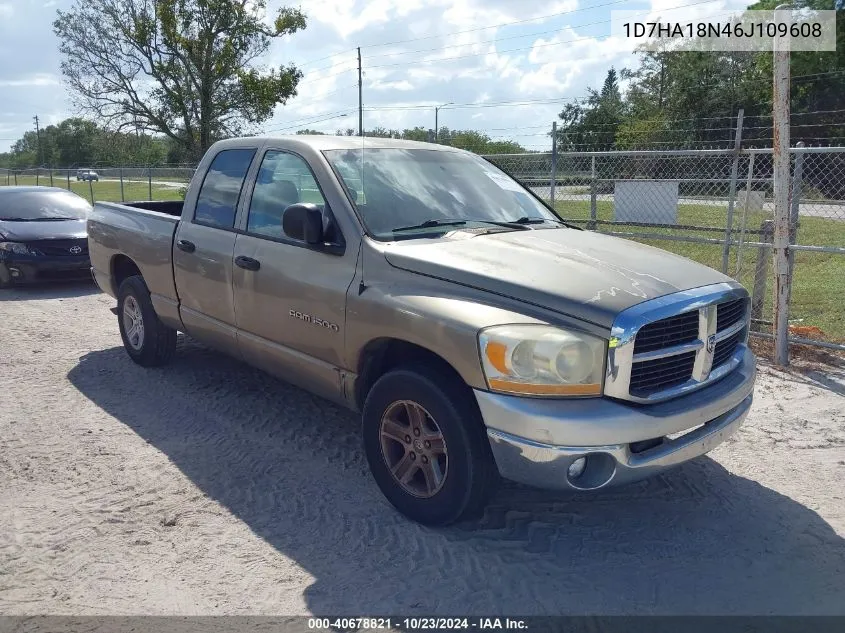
[
  {"x": 91, "y": 189},
  {"x": 780, "y": 118},
  {"x": 16, "y": 178},
  {"x": 68, "y": 179},
  {"x": 591, "y": 225},
  {"x": 150, "y": 182},
  {"x": 748, "y": 184},
  {"x": 554, "y": 163},
  {"x": 761, "y": 271},
  {"x": 37, "y": 174},
  {"x": 797, "y": 176},
  {"x": 726, "y": 250},
  {"x": 51, "y": 176},
  {"x": 122, "y": 197}
]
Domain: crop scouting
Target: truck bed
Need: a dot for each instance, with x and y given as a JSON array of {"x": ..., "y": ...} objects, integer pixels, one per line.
[
  {"x": 141, "y": 232},
  {"x": 168, "y": 207}
]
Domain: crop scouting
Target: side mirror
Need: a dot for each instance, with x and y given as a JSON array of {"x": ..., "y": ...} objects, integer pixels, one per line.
[{"x": 303, "y": 221}]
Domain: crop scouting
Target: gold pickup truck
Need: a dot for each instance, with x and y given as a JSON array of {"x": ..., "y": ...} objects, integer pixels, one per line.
[{"x": 478, "y": 334}]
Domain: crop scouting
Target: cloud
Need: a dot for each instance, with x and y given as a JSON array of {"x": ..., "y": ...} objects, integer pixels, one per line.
[
  {"x": 416, "y": 54},
  {"x": 38, "y": 79}
]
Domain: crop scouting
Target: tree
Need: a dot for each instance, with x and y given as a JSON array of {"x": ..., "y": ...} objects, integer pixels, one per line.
[
  {"x": 182, "y": 68},
  {"x": 596, "y": 121},
  {"x": 379, "y": 132},
  {"x": 415, "y": 134},
  {"x": 81, "y": 143}
]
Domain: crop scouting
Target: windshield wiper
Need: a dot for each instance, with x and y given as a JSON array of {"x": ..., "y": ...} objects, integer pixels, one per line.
[
  {"x": 526, "y": 220},
  {"x": 36, "y": 219},
  {"x": 456, "y": 222},
  {"x": 430, "y": 224}
]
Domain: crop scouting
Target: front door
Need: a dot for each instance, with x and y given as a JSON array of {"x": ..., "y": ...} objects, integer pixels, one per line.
[
  {"x": 203, "y": 252},
  {"x": 290, "y": 299}
]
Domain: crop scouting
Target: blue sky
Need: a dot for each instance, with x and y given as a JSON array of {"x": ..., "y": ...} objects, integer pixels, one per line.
[{"x": 549, "y": 50}]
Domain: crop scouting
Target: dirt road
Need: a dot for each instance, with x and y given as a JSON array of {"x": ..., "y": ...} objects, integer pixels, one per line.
[{"x": 209, "y": 488}]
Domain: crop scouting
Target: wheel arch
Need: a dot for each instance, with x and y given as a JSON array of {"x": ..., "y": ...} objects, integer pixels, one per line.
[
  {"x": 121, "y": 268},
  {"x": 381, "y": 355}
]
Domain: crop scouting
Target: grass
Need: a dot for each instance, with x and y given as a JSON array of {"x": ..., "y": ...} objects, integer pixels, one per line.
[
  {"x": 109, "y": 190},
  {"x": 818, "y": 289}
]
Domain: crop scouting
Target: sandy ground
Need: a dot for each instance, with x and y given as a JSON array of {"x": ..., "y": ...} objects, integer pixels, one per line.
[{"x": 209, "y": 488}]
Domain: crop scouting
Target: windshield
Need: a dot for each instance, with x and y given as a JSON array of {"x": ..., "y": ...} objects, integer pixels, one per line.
[
  {"x": 37, "y": 205},
  {"x": 431, "y": 190}
]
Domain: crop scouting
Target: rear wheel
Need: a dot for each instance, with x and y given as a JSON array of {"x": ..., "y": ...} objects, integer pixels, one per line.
[
  {"x": 426, "y": 446},
  {"x": 147, "y": 340}
]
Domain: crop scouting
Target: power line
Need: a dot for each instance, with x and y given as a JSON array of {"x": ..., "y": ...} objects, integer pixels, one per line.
[
  {"x": 524, "y": 48},
  {"x": 341, "y": 72},
  {"x": 505, "y": 24},
  {"x": 482, "y": 104},
  {"x": 314, "y": 61},
  {"x": 341, "y": 89},
  {"x": 444, "y": 35},
  {"x": 328, "y": 116},
  {"x": 498, "y": 39},
  {"x": 511, "y": 37}
]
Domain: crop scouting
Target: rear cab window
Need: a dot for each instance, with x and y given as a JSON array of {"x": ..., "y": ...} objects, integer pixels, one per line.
[{"x": 217, "y": 202}]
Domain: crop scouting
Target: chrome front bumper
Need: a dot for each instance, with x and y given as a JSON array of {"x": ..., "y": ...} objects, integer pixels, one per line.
[{"x": 535, "y": 441}]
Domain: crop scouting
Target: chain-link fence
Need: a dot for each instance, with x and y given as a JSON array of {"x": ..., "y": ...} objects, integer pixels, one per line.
[
  {"x": 713, "y": 206},
  {"x": 716, "y": 207},
  {"x": 108, "y": 184}
]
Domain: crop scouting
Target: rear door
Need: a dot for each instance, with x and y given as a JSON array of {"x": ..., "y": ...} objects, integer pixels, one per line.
[
  {"x": 290, "y": 299},
  {"x": 202, "y": 257}
]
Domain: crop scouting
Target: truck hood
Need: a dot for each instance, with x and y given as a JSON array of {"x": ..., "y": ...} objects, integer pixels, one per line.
[
  {"x": 585, "y": 275},
  {"x": 16, "y": 231}
]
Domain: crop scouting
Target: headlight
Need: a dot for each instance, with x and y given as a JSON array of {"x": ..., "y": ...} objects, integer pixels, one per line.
[
  {"x": 542, "y": 360},
  {"x": 14, "y": 247}
]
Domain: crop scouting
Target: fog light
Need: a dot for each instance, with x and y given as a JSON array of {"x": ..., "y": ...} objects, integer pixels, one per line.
[
  {"x": 577, "y": 467},
  {"x": 15, "y": 272}
]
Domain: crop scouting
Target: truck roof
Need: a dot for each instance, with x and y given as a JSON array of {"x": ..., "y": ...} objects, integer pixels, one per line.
[{"x": 320, "y": 142}]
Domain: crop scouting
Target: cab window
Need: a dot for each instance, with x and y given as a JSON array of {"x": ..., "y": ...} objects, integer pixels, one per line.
[
  {"x": 221, "y": 188},
  {"x": 283, "y": 179}
]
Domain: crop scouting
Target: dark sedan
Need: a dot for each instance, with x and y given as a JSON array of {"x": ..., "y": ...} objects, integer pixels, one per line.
[{"x": 43, "y": 235}]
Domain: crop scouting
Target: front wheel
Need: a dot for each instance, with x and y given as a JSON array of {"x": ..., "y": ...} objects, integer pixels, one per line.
[
  {"x": 426, "y": 446},
  {"x": 147, "y": 340}
]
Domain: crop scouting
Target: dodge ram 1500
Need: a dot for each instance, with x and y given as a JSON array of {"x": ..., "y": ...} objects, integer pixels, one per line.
[{"x": 478, "y": 334}]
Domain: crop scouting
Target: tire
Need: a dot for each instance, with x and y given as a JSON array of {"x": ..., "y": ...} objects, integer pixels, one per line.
[
  {"x": 469, "y": 476},
  {"x": 5, "y": 277},
  {"x": 156, "y": 343}
]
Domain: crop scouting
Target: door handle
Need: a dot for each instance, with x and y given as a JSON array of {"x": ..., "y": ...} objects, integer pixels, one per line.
[
  {"x": 247, "y": 263},
  {"x": 185, "y": 245}
]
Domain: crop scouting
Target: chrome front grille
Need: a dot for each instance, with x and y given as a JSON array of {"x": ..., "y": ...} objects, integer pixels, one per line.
[
  {"x": 650, "y": 376},
  {"x": 729, "y": 312},
  {"x": 672, "y": 331},
  {"x": 668, "y": 346}
]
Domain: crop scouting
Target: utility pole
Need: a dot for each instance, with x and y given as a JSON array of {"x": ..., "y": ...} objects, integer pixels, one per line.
[
  {"x": 436, "y": 126},
  {"x": 38, "y": 136},
  {"x": 360, "y": 97},
  {"x": 780, "y": 153},
  {"x": 554, "y": 163}
]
